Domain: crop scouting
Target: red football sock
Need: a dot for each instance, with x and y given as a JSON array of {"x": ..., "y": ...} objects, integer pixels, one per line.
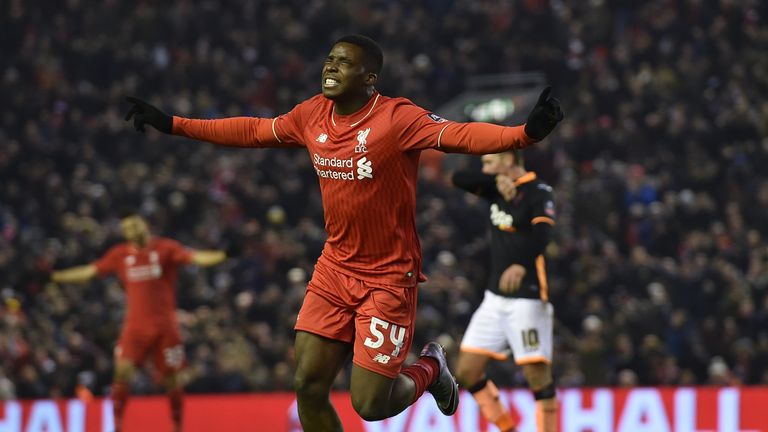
[
  {"x": 120, "y": 393},
  {"x": 176, "y": 397},
  {"x": 423, "y": 373}
]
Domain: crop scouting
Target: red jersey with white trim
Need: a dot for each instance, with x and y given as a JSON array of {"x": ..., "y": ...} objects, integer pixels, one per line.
[
  {"x": 367, "y": 164},
  {"x": 148, "y": 275}
]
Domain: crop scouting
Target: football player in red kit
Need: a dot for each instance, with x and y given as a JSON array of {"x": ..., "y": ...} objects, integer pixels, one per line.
[
  {"x": 147, "y": 267},
  {"x": 365, "y": 149}
]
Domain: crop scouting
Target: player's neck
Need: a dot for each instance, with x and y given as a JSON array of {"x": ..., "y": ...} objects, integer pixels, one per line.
[
  {"x": 140, "y": 243},
  {"x": 354, "y": 104},
  {"x": 517, "y": 172}
]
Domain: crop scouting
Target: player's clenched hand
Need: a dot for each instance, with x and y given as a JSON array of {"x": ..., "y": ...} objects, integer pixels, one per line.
[
  {"x": 506, "y": 186},
  {"x": 144, "y": 113},
  {"x": 544, "y": 116},
  {"x": 511, "y": 278}
]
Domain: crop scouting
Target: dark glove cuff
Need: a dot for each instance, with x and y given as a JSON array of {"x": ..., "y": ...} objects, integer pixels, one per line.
[
  {"x": 538, "y": 130},
  {"x": 166, "y": 124}
]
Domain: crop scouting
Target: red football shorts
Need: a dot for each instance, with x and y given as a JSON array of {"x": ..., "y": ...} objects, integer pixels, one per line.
[
  {"x": 164, "y": 344},
  {"x": 378, "y": 319}
]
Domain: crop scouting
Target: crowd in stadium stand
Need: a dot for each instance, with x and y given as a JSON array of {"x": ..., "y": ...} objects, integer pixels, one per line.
[{"x": 659, "y": 268}]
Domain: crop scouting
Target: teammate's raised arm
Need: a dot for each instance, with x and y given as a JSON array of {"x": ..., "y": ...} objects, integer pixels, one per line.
[
  {"x": 75, "y": 275},
  {"x": 207, "y": 258}
]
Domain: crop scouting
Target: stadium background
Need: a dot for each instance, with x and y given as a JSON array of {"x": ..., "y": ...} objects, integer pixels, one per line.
[{"x": 658, "y": 271}]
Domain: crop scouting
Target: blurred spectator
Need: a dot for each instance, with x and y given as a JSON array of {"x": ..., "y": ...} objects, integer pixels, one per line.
[{"x": 663, "y": 201}]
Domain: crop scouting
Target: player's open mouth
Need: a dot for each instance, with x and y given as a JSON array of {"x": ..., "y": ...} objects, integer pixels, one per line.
[{"x": 331, "y": 82}]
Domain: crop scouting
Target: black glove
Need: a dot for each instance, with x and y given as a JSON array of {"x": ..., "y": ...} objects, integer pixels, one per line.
[
  {"x": 144, "y": 113},
  {"x": 544, "y": 116}
]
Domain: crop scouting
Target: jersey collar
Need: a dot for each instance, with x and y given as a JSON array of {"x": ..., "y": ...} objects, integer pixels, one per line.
[
  {"x": 355, "y": 118},
  {"x": 525, "y": 178}
]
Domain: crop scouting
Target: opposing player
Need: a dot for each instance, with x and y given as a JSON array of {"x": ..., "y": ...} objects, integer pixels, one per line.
[
  {"x": 365, "y": 150},
  {"x": 515, "y": 311},
  {"x": 147, "y": 266}
]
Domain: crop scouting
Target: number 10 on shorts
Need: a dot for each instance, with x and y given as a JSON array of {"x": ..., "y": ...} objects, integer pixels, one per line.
[
  {"x": 396, "y": 335},
  {"x": 530, "y": 339}
]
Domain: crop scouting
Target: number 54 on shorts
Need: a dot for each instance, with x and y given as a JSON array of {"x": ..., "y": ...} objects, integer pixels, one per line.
[{"x": 396, "y": 337}]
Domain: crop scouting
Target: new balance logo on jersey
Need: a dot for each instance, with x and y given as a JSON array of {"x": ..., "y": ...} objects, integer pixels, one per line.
[
  {"x": 364, "y": 169},
  {"x": 381, "y": 358},
  {"x": 322, "y": 138},
  {"x": 362, "y": 141}
]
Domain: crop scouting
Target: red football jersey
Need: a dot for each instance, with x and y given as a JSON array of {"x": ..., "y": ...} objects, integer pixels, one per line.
[
  {"x": 149, "y": 277},
  {"x": 367, "y": 164}
]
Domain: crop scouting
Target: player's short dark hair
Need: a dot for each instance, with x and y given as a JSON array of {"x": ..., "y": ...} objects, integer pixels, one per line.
[{"x": 374, "y": 56}]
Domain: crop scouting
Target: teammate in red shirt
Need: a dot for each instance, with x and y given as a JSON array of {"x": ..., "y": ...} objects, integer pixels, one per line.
[
  {"x": 147, "y": 266},
  {"x": 365, "y": 149}
]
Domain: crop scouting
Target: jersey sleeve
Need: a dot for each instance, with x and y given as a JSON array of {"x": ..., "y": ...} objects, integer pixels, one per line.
[
  {"x": 420, "y": 129},
  {"x": 417, "y": 128},
  {"x": 476, "y": 183},
  {"x": 177, "y": 253},
  {"x": 289, "y": 127},
  {"x": 542, "y": 219},
  {"x": 109, "y": 262},
  {"x": 282, "y": 131},
  {"x": 543, "y": 205}
]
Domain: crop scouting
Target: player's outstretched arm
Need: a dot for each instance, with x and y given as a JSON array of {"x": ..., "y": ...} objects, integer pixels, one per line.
[
  {"x": 207, "y": 258},
  {"x": 232, "y": 132},
  {"x": 486, "y": 138},
  {"x": 79, "y": 274}
]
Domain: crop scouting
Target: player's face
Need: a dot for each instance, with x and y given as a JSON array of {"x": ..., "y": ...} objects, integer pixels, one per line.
[
  {"x": 134, "y": 229},
  {"x": 344, "y": 72},
  {"x": 494, "y": 164}
]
